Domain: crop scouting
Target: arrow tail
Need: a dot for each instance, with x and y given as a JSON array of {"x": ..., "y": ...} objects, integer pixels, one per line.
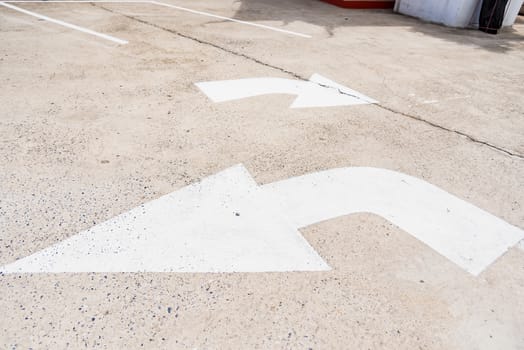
[
  {"x": 229, "y": 90},
  {"x": 469, "y": 236}
]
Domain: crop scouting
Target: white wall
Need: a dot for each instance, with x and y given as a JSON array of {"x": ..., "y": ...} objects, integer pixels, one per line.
[{"x": 453, "y": 13}]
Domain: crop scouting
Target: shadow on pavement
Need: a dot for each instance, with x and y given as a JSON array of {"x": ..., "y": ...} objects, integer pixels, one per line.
[{"x": 331, "y": 17}]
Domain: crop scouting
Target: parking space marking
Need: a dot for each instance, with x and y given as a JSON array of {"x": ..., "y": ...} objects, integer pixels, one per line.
[
  {"x": 317, "y": 92},
  {"x": 232, "y": 19},
  {"x": 65, "y": 24},
  {"x": 227, "y": 223},
  {"x": 202, "y": 13}
]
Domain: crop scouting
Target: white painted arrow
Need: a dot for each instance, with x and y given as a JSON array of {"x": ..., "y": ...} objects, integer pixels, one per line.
[
  {"x": 317, "y": 92},
  {"x": 226, "y": 223}
]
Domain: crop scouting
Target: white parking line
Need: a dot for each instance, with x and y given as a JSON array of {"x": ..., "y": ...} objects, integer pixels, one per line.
[
  {"x": 173, "y": 7},
  {"x": 230, "y": 19},
  {"x": 65, "y": 24}
]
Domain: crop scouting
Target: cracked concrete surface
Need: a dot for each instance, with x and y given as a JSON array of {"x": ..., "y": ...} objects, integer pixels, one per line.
[
  {"x": 89, "y": 130},
  {"x": 298, "y": 76}
]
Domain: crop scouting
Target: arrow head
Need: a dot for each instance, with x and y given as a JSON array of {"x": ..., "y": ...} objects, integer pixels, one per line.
[
  {"x": 222, "y": 224},
  {"x": 322, "y": 92}
]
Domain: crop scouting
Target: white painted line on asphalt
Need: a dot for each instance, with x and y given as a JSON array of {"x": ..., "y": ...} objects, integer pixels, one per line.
[
  {"x": 469, "y": 236},
  {"x": 231, "y": 19},
  {"x": 173, "y": 7},
  {"x": 317, "y": 92},
  {"x": 65, "y": 24},
  {"x": 227, "y": 223}
]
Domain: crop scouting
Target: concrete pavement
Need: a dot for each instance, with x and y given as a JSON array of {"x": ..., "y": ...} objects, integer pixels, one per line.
[{"x": 90, "y": 129}]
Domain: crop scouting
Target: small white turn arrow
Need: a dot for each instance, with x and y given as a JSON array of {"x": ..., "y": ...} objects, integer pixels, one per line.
[
  {"x": 227, "y": 223},
  {"x": 317, "y": 92}
]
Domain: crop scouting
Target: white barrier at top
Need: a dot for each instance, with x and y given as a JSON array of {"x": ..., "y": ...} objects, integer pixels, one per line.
[{"x": 453, "y": 13}]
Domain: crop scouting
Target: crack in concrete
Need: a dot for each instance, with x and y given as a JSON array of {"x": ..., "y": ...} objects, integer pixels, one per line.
[
  {"x": 338, "y": 90},
  {"x": 458, "y": 132},
  {"x": 299, "y": 77},
  {"x": 172, "y": 31}
]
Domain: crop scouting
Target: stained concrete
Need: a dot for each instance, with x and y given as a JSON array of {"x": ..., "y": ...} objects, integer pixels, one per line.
[{"x": 90, "y": 129}]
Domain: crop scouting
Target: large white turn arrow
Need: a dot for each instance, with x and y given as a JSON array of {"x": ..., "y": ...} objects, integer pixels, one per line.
[
  {"x": 227, "y": 223},
  {"x": 317, "y": 92}
]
